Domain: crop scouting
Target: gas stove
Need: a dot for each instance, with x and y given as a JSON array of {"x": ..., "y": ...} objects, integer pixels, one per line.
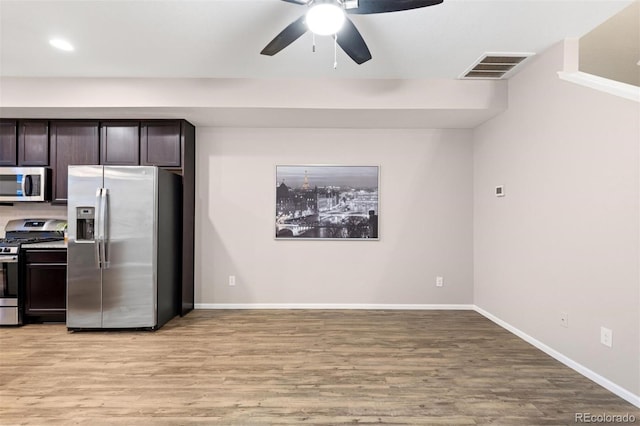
[
  {"x": 11, "y": 245},
  {"x": 20, "y": 232},
  {"x": 23, "y": 231}
]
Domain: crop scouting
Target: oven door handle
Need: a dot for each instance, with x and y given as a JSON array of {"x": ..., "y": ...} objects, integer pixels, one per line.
[{"x": 9, "y": 259}]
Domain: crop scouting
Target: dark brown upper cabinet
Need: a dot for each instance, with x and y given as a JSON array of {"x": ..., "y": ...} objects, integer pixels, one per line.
[
  {"x": 120, "y": 143},
  {"x": 8, "y": 142},
  {"x": 160, "y": 143},
  {"x": 33, "y": 143},
  {"x": 72, "y": 143}
]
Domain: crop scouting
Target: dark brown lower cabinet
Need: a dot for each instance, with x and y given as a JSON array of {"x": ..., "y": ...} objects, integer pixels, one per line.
[{"x": 45, "y": 285}]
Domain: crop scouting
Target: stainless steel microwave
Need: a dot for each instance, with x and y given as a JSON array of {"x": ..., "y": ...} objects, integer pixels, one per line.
[{"x": 24, "y": 184}]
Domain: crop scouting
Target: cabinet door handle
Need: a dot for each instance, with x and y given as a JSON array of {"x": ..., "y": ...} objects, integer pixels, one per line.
[{"x": 46, "y": 264}]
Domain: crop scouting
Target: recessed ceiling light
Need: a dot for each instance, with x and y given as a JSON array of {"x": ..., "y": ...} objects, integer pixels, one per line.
[{"x": 61, "y": 44}]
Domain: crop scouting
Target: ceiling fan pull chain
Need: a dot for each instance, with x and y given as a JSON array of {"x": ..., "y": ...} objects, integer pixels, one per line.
[
  {"x": 335, "y": 51},
  {"x": 313, "y": 49}
]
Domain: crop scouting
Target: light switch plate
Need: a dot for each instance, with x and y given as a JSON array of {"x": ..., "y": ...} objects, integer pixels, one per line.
[{"x": 564, "y": 319}]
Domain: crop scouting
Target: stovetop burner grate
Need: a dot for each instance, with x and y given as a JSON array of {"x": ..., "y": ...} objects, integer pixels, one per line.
[
  {"x": 24, "y": 231},
  {"x": 16, "y": 241}
]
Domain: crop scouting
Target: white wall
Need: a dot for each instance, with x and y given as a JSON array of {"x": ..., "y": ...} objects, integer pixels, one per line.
[
  {"x": 274, "y": 103},
  {"x": 565, "y": 238},
  {"x": 425, "y": 219},
  {"x": 612, "y": 49}
]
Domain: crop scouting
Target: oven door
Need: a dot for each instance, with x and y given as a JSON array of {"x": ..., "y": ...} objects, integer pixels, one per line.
[{"x": 9, "y": 309}]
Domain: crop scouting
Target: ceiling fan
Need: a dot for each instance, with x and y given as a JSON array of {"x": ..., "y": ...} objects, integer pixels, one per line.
[{"x": 345, "y": 33}]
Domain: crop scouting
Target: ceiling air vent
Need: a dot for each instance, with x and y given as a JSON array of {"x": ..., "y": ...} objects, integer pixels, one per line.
[{"x": 495, "y": 66}]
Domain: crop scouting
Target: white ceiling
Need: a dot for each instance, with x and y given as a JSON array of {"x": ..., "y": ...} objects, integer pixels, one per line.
[
  {"x": 223, "y": 38},
  {"x": 199, "y": 60}
]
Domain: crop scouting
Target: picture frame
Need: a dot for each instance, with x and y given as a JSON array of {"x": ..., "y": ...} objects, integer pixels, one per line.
[{"x": 327, "y": 202}]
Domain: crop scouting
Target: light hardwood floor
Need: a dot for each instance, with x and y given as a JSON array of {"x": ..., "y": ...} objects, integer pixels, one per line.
[{"x": 294, "y": 367}]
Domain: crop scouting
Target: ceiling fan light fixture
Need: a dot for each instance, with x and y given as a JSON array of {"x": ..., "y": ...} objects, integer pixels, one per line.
[
  {"x": 325, "y": 18},
  {"x": 350, "y": 4}
]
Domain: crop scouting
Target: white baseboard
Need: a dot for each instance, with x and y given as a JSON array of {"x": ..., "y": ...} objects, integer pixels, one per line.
[
  {"x": 589, "y": 374},
  {"x": 370, "y": 306}
]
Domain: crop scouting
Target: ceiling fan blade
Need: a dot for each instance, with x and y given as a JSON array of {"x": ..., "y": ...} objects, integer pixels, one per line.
[
  {"x": 382, "y": 6},
  {"x": 286, "y": 37},
  {"x": 303, "y": 2},
  {"x": 350, "y": 40}
]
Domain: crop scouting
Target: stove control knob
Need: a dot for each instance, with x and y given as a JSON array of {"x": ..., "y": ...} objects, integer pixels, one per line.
[{"x": 6, "y": 250}]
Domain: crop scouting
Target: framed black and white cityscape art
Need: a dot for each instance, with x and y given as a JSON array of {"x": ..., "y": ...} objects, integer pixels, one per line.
[{"x": 327, "y": 202}]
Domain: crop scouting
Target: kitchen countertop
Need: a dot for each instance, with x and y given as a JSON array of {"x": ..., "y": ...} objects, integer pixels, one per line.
[{"x": 46, "y": 245}]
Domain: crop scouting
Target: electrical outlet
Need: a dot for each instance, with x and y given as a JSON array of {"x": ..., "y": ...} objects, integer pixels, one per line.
[
  {"x": 564, "y": 319},
  {"x": 606, "y": 336},
  {"x": 232, "y": 280},
  {"x": 439, "y": 281}
]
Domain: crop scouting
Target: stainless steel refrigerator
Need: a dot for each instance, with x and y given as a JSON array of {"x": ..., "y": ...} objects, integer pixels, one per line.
[{"x": 124, "y": 247}]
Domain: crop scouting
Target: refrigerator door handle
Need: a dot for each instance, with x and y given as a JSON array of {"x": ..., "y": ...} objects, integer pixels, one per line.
[
  {"x": 97, "y": 228},
  {"x": 104, "y": 216}
]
